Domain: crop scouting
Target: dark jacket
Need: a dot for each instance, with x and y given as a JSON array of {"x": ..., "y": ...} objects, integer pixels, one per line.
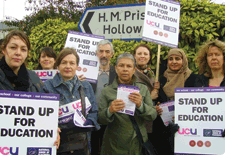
[
  {"x": 112, "y": 75},
  {"x": 160, "y": 131},
  {"x": 203, "y": 81},
  {"x": 190, "y": 82},
  {"x": 35, "y": 84}
]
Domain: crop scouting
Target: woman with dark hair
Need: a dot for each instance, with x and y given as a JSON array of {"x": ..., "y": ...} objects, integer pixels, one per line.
[
  {"x": 177, "y": 75},
  {"x": 14, "y": 75},
  {"x": 74, "y": 140},
  {"x": 144, "y": 74},
  {"x": 211, "y": 65},
  {"x": 46, "y": 59}
]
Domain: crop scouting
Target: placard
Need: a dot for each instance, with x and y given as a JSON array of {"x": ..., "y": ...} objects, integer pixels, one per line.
[
  {"x": 200, "y": 114},
  {"x": 85, "y": 45},
  {"x": 45, "y": 75},
  {"x": 29, "y": 123},
  {"x": 161, "y": 23}
]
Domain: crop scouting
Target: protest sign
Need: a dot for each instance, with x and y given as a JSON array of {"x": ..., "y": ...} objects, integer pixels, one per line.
[
  {"x": 85, "y": 45},
  {"x": 29, "y": 123},
  {"x": 72, "y": 112},
  {"x": 161, "y": 23},
  {"x": 200, "y": 114},
  {"x": 46, "y": 74}
]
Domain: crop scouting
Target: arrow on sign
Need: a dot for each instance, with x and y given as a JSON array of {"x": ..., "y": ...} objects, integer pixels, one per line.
[
  {"x": 87, "y": 21},
  {"x": 123, "y": 22}
]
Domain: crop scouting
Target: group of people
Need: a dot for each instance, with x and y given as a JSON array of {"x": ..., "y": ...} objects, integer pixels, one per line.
[{"x": 113, "y": 133}]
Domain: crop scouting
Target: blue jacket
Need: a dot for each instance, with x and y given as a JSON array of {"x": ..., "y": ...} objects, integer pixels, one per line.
[{"x": 56, "y": 86}]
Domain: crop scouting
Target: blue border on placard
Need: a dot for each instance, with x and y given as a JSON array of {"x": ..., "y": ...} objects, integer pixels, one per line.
[{"x": 113, "y": 6}]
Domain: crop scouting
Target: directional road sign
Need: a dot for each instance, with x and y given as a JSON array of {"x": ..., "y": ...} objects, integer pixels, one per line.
[{"x": 123, "y": 22}]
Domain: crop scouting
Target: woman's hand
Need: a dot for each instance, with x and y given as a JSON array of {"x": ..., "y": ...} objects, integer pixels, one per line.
[
  {"x": 57, "y": 142},
  {"x": 136, "y": 98},
  {"x": 116, "y": 105},
  {"x": 154, "y": 94},
  {"x": 81, "y": 77},
  {"x": 158, "y": 109}
]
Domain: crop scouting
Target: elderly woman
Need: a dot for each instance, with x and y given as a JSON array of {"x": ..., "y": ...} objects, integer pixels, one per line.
[
  {"x": 70, "y": 88},
  {"x": 211, "y": 65},
  {"x": 47, "y": 59},
  {"x": 120, "y": 137},
  {"x": 177, "y": 75},
  {"x": 14, "y": 75}
]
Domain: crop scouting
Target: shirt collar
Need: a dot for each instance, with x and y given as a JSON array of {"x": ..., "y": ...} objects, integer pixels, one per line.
[{"x": 101, "y": 71}]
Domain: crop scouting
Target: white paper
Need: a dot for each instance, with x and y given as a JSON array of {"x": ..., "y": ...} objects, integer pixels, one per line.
[
  {"x": 79, "y": 119},
  {"x": 70, "y": 112},
  {"x": 123, "y": 92},
  {"x": 168, "y": 112}
]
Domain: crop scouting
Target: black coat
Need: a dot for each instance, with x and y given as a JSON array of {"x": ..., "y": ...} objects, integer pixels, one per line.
[
  {"x": 190, "y": 82},
  {"x": 160, "y": 131},
  {"x": 203, "y": 81}
]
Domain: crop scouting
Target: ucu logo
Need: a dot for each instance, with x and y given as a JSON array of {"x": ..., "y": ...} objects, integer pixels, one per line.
[
  {"x": 151, "y": 23},
  {"x": 9, "y": 151},
  {"x": 45, "y": 73},
  {"x": 66, "y": 109},
  {"x": 187, "y": 131}
]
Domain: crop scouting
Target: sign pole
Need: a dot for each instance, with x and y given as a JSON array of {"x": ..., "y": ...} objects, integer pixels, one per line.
[{"x": 157, "y": 65}]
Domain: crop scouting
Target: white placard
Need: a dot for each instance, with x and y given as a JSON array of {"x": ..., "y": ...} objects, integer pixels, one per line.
[
  {"x": 29, "y": 123},
  {"x": 85, "y": 45},
  {"x": 200, "y": 114},
  {"x": 44, "y": 75},
  {"x": 161, "y": 23}
]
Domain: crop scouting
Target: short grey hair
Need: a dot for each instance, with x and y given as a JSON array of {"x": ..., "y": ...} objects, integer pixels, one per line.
[
  {"x": 103, "y": 42},
  {"x": 126, "y": 55}
]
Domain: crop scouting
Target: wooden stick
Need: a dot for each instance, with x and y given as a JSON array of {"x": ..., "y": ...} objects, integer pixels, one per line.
[{"x": 157, "y": 65}]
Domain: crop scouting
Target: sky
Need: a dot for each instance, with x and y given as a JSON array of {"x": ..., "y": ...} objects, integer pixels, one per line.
[{"x": 16, "y": 8}]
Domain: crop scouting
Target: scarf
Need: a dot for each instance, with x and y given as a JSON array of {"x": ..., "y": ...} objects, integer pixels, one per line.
[
  {"x": 176, "y": 79},
  {"x": 21, "y": 81}
]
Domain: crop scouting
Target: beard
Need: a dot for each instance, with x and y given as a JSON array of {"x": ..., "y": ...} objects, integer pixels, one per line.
[{"x": 105, "y": 62}]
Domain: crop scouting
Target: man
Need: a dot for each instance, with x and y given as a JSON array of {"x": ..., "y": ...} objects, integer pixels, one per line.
[
  {"x": 106, "y": 71},
  {"x": 106, "y": 76}
]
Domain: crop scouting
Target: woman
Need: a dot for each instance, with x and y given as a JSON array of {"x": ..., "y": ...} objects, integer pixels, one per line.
[
  {"x": 211, "y": 65},
  {"x": 46, "y": 59},
  {"x": 177, "y": 75},
  {"x": 120, "y": 137},
  {"x": 144, "y": 74},
  {"x": 14, "y": 75},
  {"x": 143, "y": 55},
  {"x": 70, "y": 88}
]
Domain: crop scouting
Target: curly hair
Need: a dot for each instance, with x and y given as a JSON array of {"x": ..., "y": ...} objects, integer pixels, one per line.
[{"x": 202, "y": 56}]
